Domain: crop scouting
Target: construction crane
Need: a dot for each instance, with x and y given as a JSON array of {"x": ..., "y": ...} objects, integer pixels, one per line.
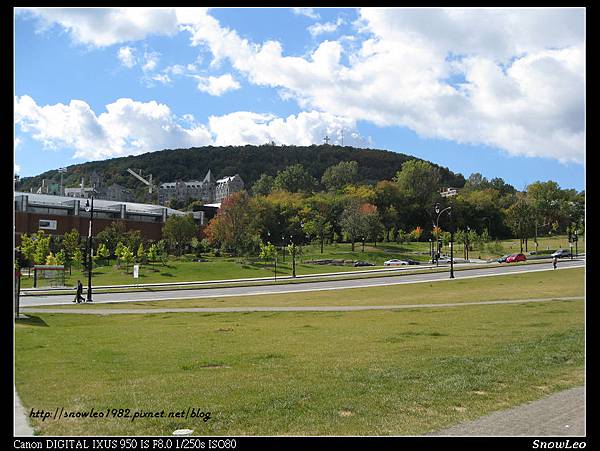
[
  {"x": 151, "y": 186},
  {"x": 142, "y": 179}
]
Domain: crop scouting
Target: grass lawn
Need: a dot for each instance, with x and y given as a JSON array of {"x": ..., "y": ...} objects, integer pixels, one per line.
[
  {"x": 401, "y": 372},
  {"x": 543, "y": 284},
  {"x": 221, "y": 268},
  {"x": 216, "y": 268}
]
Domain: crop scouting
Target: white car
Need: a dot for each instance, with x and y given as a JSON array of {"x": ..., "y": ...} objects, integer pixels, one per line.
[{"x": 395, "y": 262}]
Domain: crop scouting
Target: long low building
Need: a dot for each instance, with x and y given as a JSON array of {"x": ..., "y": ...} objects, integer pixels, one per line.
[{"x": 57, "y": 215}]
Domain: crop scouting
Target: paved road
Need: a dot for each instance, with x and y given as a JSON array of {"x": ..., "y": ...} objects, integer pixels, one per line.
[
  {"x": 27, "y": 301},
  {"x": 316, "y": 308},
  {"x": 561, "y": 414}
]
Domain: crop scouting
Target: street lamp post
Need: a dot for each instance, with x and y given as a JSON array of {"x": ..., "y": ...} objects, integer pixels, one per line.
[
  {"x": 437, "y": 241},
  {"x": 439, "y": 212},
  {"x": 89, "y": 206},
  {"x": 467, "y": 240},
  {"x": 431, "y": 250},
  {"x": 293, "y": 252}
]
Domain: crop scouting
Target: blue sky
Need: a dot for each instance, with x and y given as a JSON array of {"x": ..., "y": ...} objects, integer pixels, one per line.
[{"x": 500, "y": 92}]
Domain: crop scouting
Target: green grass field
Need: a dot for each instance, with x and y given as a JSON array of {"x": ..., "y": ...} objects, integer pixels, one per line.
[
  {"x": 398, "y": 372},
  {"x": 221, "y": 268}
]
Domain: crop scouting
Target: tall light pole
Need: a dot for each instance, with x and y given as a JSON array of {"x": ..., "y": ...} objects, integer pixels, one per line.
[
  {"x": 293, "y": 252},
  {"x": 89, "y": 206},
  {"x": 439, "y": 212},
  {"x": 467, "y": 240},
  {"x": 431, "y": 249}
]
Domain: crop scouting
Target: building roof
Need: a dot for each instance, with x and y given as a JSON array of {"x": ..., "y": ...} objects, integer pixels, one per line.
[
  {"x": 65, "y": 201},
  {"x": 228, "y": 179},
  {"x": 174, "y": 184},
  {"x": 208, "y": 178}
]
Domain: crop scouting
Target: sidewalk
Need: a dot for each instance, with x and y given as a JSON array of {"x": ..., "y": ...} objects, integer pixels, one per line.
[
  {"x": 22, "y": 427},
  {"x": 560, "y": 414}
]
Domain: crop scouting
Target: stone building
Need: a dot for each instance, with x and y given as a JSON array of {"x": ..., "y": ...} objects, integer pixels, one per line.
[
  {"x": 208, "y": 190},
  {"x": 114, "y": 192},
  {"x": 227, "y": 186}
]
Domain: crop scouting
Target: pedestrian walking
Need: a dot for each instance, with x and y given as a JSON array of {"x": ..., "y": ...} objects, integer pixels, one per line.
[
  {"x": 78, "y": 295},
  {"x": 554, "y": 262}
]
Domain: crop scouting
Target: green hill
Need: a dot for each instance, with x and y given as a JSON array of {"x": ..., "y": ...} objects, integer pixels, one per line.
[{"x": 248, "y": 161}]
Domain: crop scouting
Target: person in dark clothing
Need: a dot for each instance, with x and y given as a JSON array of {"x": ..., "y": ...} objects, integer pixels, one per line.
[
  {"x": 78, "y": 295},
  {"x": 554, "y": 262}
]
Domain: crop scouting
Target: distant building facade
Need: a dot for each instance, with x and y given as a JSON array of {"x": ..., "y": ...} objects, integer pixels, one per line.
[
  {"x": 114, "y": 192},
  {"x": 227, "y": 186},
  {"x": 208, "y": 190}
]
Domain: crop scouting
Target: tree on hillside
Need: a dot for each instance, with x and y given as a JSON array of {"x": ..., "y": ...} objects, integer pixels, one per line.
[
  {"x": 419, "y": 184},
  {"x": 263, "y": 186},
  {"x": 294, "y": 179},
  {"x": 342, "y": 174},
  {"x": 179, "y": 231}
]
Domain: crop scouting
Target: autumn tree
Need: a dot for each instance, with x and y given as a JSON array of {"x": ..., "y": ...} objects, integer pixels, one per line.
[{"x": 231, "y": 227}]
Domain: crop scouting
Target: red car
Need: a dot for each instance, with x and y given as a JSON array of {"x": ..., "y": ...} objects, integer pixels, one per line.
[{"x": 516, "y": 258}]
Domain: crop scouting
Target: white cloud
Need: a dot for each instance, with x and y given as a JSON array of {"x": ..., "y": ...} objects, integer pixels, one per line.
[
  {"x": 162, "y": 78},
  {"x": 306, "y": 128},
  {"x": 102, "y": 27},
  {"x": 126, "y": 56},
  {"x": 511, "y": 78},
  {"x": 502, "y": 61},
  {"x": 327, "y": 27},
  {"x": 17, "y": 168},
  {"x": 217, "y": 86},
  {"x": 150, "y": 61},
  {"x": 129, "y": 127},
  {"x": 308, "y": 12}
]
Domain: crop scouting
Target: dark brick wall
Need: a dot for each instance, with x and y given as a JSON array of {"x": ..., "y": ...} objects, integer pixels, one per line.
[{"x": 29, "y": 223}]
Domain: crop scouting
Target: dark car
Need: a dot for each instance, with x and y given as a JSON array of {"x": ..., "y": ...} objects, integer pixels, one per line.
[
  {"x": 363, "y": 264},
  {"x": 413, "y": 262},
  {"x": 561, "y": 253},
  {"x": 514, "y": 258}
]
